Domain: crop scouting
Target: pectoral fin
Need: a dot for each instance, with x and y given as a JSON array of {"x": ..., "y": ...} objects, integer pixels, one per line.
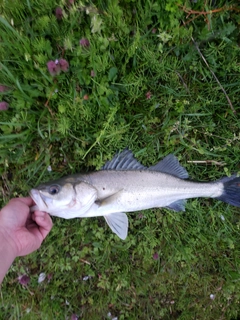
[
  {"x": 111, "y": 200},
  {"x": 118, "y": 222}
]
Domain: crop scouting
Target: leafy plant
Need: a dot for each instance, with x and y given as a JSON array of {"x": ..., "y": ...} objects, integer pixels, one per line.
[{"x": 84, "y": 79}]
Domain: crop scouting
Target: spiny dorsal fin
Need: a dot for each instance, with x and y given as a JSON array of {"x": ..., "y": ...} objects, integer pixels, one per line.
[
  {"x": 171, "y": 166},
  {"x": 123, "y": 161}
]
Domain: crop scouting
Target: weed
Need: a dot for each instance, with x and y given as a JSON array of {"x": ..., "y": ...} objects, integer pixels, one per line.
[{"x": 80, "y": 80}]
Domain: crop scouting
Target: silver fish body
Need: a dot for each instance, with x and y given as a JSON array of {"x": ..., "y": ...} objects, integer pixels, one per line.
[
  {"x": 128, "y": 191},
  {"x": 125, "y": 185}
]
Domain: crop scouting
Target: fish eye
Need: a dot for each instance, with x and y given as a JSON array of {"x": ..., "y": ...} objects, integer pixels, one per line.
[{"x": 54, "y": 189}]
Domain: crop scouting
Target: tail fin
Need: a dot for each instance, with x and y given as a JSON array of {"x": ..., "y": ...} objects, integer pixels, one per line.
[{"x": 231, "y": 190}]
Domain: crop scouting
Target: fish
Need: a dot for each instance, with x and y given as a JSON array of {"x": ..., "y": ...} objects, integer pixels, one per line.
[{"x": 125, "y": 185}]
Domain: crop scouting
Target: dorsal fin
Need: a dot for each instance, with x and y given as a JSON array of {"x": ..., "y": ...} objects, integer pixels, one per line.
[
  {"x": 171, "y": 166},
  {"x": 123, "y": 161}
]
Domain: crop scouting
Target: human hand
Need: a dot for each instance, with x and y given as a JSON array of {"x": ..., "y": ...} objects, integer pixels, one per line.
[{"x": 23, "y": 231}]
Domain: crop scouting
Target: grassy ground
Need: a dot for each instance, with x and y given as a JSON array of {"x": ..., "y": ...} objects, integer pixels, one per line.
[{"x": 159, "y": 77}]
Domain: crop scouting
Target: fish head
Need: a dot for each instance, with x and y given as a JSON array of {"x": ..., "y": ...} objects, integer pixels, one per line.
[
  {"x": 49, "y": 197},
  {"x": 64, "y": 199}
]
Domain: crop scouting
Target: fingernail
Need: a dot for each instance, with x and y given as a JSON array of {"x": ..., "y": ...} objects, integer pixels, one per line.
[{"x": 40, "y": 214}]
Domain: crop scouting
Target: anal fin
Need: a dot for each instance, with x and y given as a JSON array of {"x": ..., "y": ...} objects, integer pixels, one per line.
[
  {"x": 178, "y": 205},
  {"x": 118, "y": 222}
]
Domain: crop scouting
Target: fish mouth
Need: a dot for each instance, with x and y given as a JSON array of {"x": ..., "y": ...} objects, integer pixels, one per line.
[{"x": 39, "y": 200}]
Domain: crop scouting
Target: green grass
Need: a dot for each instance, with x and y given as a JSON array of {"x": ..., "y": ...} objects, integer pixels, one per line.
[{"x": 170, "y": 263}]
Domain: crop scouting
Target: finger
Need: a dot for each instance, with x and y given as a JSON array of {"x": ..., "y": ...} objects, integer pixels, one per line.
[
  {"x": 27, "y": 200},
  {"x": 43, "y": 221},
  {"x": 16, "y": 212}
]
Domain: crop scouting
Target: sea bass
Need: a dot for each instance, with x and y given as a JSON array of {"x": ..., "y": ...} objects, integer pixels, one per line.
[{"x": 125, "y": 185}]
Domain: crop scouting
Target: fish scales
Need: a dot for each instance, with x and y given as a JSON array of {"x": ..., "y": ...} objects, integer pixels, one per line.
[
  {"x": 125, "y": 185},
  {"x": 140, "y": 189}
]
